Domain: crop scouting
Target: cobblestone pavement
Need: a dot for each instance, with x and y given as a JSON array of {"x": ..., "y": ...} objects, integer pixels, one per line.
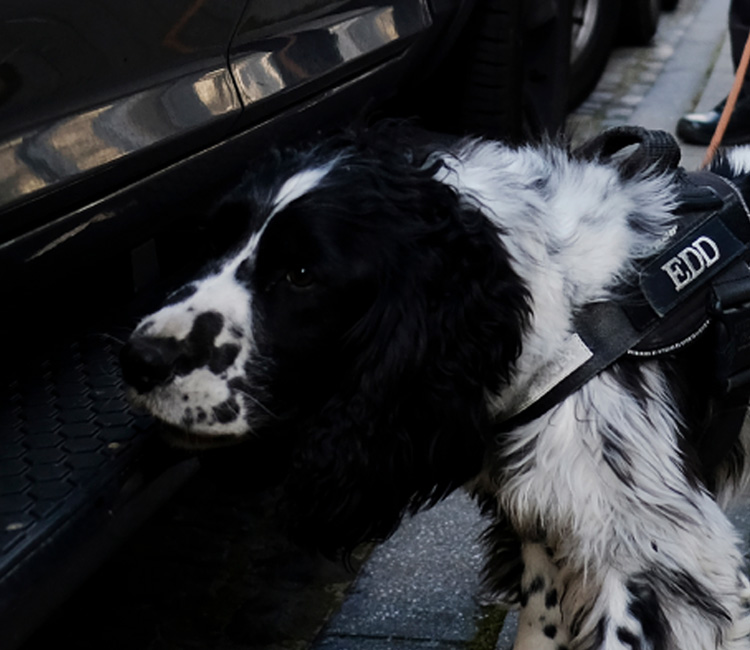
[
  {"x": 213, "y": 571},
  {"x": 632, "y": 72}
]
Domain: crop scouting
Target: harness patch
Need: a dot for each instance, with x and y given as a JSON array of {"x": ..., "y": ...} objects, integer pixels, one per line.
[{"x": 702, "y": 253}]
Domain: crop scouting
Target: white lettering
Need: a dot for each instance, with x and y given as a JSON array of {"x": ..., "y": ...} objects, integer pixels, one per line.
[
  {"x": 708, "y": 249},
  {"x": 679, "y": 275},
  {"x": 691, "y": 261}
]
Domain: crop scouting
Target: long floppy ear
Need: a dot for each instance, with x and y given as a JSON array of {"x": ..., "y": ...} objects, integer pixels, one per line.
[{"x": 410, "y": 421}]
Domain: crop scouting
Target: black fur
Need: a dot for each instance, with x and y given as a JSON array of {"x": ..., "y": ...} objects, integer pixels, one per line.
[{"x": 417, "y": 356}]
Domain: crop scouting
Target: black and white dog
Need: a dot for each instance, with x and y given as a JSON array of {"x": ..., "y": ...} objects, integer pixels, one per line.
[{"x": 389, "y": 305}]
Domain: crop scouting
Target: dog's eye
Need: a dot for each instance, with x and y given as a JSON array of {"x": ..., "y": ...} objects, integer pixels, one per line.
[{"x": 300, "y": 277}]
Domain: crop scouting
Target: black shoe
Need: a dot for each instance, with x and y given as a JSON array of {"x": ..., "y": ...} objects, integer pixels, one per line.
[{"x": 698, "y": 128}]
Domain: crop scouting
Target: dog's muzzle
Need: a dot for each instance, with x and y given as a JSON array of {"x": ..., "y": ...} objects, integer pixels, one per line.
[{"x": 148, "y": 362}]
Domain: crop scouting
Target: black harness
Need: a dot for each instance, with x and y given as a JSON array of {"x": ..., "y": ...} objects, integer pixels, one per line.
[{"x": 697, "y": 286}]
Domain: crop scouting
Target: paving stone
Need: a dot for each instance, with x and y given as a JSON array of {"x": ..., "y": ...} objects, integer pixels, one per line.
[
  {"x": 422, "y": 583},
  {"x": 347, "y": 643}
]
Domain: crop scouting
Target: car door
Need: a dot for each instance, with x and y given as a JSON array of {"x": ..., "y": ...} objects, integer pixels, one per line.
[{"x": 94, "y": 93}]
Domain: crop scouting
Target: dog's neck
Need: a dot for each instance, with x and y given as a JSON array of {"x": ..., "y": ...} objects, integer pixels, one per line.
[{"x": 553, "y": 213}]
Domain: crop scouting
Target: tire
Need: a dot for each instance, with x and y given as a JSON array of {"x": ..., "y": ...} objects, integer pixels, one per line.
[
  {"x": 546, "y": 58},
  {"x": 507, "y": 81},
  {"x": 639, "y": 21},
  {"x": 489, "y": 98},
  {"x": 593, "y": 34}
]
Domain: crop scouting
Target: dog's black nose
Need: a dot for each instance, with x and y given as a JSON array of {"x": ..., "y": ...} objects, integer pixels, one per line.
[{"x": 147, "y": 361}]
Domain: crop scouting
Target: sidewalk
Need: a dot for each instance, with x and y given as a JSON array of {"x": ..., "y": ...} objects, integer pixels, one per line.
[
  {"x": 421, "y": 589},
  {"x": 418, "y": 590}
]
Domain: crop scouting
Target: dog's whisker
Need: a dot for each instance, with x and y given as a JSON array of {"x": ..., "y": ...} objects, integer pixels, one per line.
[{"x": 247, "y": 394}]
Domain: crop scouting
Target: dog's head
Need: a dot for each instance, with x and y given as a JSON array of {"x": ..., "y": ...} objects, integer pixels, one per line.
[{"x": 367, "y": 307}]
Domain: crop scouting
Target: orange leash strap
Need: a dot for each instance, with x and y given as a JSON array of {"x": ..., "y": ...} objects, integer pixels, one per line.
[{"x": 721, "y": 128}]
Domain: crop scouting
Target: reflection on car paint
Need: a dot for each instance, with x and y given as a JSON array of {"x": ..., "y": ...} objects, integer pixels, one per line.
[
  {"x": 321, "y": 47},
  {"x": 82, "y": 142}
]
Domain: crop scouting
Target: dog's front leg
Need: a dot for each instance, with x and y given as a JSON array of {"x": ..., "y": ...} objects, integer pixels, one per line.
[
  {"x": 646, "y": 558},
  {"x": 540, "y": 625},
  {"x": 563, "y": 607}
]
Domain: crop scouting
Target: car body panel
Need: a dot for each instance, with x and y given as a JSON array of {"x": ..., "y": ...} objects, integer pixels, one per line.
[
  {"x": 44, "y": 157},
  {"x": 98, "y": 101}
]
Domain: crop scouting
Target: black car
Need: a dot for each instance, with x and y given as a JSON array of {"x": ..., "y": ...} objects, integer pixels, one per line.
[{"x": 119, "y": 123}]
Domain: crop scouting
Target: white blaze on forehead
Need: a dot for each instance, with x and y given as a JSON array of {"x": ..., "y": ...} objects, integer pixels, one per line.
[
  {"x": 295, "y": 187},
  {"x": 299, "y": 185}
]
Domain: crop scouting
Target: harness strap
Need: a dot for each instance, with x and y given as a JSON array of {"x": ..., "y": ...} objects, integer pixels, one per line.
[
  {"x": 729, "y": 306},
  {"x": 729, "y": 309}
]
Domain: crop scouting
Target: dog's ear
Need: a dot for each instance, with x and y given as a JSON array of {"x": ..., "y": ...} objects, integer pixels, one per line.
[{"x": 410, "y": 421}]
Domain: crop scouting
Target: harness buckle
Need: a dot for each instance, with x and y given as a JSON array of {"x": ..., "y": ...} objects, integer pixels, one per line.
[{"x": 730, "y": 312}]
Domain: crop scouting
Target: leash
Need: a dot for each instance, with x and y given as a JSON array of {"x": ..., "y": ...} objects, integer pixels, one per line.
[{"x": 726, "y": 114}]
